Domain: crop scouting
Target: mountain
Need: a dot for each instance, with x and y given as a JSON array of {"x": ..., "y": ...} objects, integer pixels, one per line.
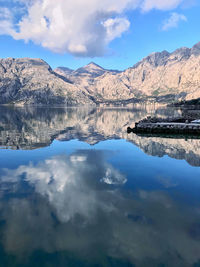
[
  {"x": 161, "y": 76},
  {"x": 32, "y": 81},
  {"x": 86, "y": 77},
  {"x": 91, "y": 69},
  {"x": 64, "y": 71}
]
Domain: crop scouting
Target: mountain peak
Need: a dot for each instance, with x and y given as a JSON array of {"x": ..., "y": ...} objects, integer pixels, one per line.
[
  {"x": 195, "y": 50},
  {"x": 156, "y": 59},
  {"x": 91, "y": 69},
  {"x": 93, "y": 65}
]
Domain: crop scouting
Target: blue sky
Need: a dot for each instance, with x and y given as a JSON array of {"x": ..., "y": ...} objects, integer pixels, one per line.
[{"x": 114, "y": 35}]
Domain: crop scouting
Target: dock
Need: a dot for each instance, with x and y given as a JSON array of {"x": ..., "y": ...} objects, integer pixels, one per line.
[{"x": 166, "y": 126}]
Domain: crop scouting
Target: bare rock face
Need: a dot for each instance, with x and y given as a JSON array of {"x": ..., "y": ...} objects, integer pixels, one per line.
[
  {"x": 87, "y": 77},
  {"x": 159, "y": 75},
  {"x": 32, "y": 81},
  {"x": 162, "y": 76},
  {"x": 64, "y": 71}
]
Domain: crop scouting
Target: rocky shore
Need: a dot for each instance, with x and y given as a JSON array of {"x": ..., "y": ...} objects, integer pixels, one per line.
[{"x": 190, "y": 104}]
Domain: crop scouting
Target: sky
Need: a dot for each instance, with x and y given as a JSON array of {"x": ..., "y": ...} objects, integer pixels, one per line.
[{"x": 115, "y": 34}]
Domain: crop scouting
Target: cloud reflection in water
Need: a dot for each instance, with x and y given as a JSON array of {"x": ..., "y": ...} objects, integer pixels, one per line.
[
  {"x": 79, "y": 207},
  {"x": 68, "y": 182}
]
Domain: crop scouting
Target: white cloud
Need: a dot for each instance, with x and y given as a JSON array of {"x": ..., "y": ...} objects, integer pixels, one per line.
[
  {"x": 5, "y": 20},
  {"x": 115, "y": 27},
  {"x": 160, "y": 4},
  {"x": 82, "y": 28},
  {"x": 173, "y": 21},
  {"x": 77, "y": 27}
]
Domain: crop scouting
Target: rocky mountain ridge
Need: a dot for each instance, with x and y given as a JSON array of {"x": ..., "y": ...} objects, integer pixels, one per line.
[
  {"x": 33, "y": 82},
  {"x": 161, "y": 76}
]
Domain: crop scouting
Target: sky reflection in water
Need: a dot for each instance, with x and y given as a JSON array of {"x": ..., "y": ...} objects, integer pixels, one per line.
[{"x": 105, "y": 204}]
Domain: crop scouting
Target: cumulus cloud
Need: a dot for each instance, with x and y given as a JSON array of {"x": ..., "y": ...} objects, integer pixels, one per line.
[
  {"x": 173, "y": 21},
  {"x": 115, "y": 27},
  {"x": 82, "y": 28}
]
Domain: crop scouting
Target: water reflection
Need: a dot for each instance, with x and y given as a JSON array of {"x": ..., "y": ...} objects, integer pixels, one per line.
[
  {"x": 77, "y": 209},
  {"x": 29, "y": 128},
  {"x": 70, "y": 183},
  {"x": 109, "y": 204},
  {"x": 188, "y": 150}
]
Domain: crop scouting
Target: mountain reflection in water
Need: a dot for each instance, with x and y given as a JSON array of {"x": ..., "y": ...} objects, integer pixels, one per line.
[
  {"x": 29, "y": 128},
  {"x": 109, "y": 204}
]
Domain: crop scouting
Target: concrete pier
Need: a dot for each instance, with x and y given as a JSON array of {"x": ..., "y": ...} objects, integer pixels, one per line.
[{"x": 164, "y": 127}]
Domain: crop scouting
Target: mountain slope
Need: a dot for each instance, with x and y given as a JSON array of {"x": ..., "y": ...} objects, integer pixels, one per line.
[
  {"x": 63, "y": 71},
  {"x": 86, "y": 76},
  {"x": 161, "y": 76},
  {"x": 32, "y": 81},
  {"x": 165, "y": 74}
]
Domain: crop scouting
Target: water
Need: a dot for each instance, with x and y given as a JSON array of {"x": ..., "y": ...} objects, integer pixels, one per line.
[{"x": 77, "y": 190}]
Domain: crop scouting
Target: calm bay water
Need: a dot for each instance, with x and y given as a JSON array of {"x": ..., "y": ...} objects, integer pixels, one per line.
[{"x": 77, "y": 190}]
